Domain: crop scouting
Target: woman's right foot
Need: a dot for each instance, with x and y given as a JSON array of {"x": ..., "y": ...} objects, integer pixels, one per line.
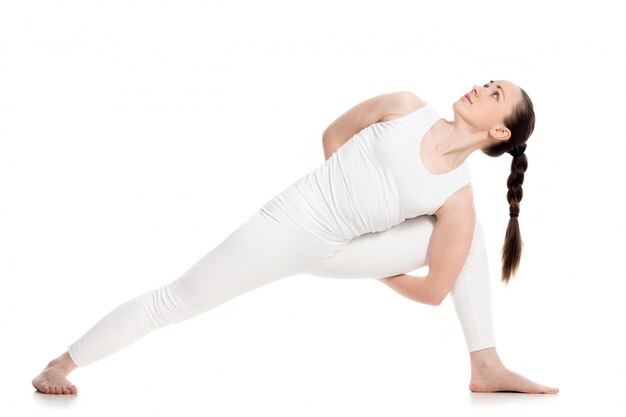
[
  {"x": 505, "y": 380},
  {"x": 52, "y": 380},
  {"x": 490, "y": 375}
]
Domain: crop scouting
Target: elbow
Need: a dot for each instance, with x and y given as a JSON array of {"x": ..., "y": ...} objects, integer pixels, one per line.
[
  {"x": 327, "y": 138},
  {"x": 437, "y": 298},
  {"x": 328, "y": 133}
]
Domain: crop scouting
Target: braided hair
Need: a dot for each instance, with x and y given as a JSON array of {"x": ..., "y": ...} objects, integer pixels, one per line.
[{"x": 521, "y": 123}]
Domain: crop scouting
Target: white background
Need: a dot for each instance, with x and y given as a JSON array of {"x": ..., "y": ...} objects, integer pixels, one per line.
[{"x": 136, "y": 135}]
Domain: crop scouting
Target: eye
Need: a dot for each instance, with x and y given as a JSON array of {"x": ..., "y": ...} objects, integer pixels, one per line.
[{"x": 495, "y": 92}]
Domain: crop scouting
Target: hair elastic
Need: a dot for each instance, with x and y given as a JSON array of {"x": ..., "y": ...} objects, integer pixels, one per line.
[
  {"x": 519, "y": 151},
  {"x": 514, "y": 214}
]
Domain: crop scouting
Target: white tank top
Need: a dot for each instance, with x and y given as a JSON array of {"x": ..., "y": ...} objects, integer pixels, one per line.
[{"x": 375, "y": 180}]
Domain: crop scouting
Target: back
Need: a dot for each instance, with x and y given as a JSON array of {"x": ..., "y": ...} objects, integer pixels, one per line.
[{"x": 374, "y": 181}]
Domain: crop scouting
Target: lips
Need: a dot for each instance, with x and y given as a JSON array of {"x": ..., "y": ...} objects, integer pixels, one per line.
[{"x": 468, "y": 98}]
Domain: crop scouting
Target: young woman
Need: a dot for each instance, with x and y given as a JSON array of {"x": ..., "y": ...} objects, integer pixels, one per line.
[{"x": 393, "y": 195}]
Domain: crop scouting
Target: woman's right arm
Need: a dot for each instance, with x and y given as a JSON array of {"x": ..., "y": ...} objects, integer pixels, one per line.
[
  {"x": 368, "y": 112},
  {"x": 447, "y": 252}
]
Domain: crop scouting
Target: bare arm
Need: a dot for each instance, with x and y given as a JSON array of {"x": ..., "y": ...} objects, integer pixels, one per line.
[
  {"x": 368, "y": 112},
  {"x": 447, "y": 252}
]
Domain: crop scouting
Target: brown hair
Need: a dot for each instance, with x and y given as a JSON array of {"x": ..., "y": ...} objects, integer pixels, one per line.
[{"x": 521, "y": 123}]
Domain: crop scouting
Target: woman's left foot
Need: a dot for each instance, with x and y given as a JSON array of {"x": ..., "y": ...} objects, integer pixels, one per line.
[
  {"x": 52, "y": 380},
  {"x": 505, "y": 380}
]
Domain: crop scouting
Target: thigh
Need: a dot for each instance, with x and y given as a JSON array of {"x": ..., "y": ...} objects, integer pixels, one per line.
[
  {"x": 397, "y": 250},
  {"x": 260, "y": 251}
]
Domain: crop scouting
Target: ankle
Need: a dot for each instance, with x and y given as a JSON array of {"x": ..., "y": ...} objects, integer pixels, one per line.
[
  {"x": 63, "y": 363},
  {"x": 485, "y": 360}
]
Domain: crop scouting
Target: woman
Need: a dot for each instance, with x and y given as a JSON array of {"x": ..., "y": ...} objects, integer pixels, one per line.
[{"x": 392, "y": 167}]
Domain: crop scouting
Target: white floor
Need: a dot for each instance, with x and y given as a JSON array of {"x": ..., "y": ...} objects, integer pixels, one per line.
[
  {"x": 331, "y": 348},
  {"x": 291, "y": 398}
]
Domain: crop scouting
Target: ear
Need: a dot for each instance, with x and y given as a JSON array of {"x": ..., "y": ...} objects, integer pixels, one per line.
[{"x": 500, "y": 133}]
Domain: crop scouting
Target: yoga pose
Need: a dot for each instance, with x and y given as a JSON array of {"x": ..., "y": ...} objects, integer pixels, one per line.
[{"x": 393, "y": 195}]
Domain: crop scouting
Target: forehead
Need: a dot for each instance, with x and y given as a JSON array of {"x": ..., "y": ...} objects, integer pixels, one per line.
[{"x": 504, "y": 84}]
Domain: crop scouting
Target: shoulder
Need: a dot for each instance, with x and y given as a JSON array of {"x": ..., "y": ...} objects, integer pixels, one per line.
[
  {"x": 406, "y": 102},
  {"x": 460, "y": 205}
]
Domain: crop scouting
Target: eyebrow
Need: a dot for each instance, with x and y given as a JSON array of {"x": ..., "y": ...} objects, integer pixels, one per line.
[{"x": 497, "y": 86}]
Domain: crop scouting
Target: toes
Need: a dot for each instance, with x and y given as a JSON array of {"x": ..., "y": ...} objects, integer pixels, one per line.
[
  {"x": 544, "y": 390},
  {"x": 62, "y": 390}
]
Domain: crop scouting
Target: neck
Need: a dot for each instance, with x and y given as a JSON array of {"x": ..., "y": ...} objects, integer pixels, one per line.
[{"x": 454, "y": 142}]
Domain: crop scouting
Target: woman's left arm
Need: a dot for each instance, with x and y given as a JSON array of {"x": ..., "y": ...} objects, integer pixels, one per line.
[{"x": 447, "y": 252}]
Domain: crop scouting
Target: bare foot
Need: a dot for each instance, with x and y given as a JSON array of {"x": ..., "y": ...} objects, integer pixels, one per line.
[
  {"x": 490, "y": 375},
  {"x": 505, "y": 380},
  {"x": 52, "y": 379}
]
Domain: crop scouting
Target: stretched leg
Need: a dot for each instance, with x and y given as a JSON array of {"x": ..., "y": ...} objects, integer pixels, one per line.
[
  {"x": 263, "y": 249},
  {"x": 402, "y": 249}
]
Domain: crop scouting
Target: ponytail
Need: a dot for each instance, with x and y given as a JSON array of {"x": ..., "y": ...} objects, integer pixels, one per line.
[
  {"x": 512, "y": 248},
  {"x": 521, "y": 123}
]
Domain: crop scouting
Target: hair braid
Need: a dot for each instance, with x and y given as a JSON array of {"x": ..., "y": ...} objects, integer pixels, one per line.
[
  {"x": 521, "y": 122},
  {"x": 513, "y": 244}
]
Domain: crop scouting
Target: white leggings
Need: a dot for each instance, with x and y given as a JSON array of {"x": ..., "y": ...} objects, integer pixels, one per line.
[{"x": 270, "y": 246}]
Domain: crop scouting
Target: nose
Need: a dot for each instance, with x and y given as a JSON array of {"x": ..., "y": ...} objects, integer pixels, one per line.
[{"x": 475, "y": 90}]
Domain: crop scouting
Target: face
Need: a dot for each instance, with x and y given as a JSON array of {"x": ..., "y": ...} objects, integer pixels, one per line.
[{"x": 485, "y": 107}]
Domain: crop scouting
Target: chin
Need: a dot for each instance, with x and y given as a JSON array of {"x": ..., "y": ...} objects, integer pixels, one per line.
[
  {"x": 455, "y": 108},
  {"x": 459, "y": 104}
]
